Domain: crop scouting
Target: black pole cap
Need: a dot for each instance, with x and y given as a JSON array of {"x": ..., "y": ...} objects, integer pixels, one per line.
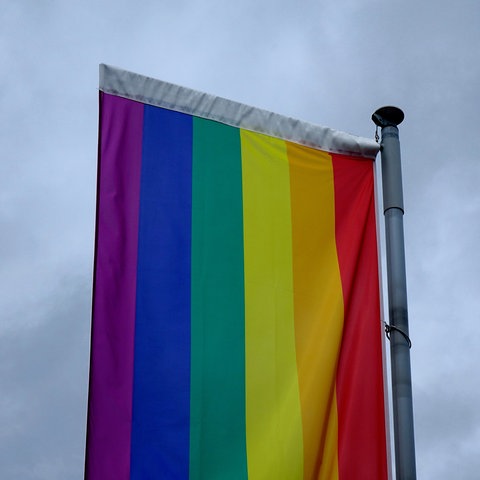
[{"x": 388, "y": 117}]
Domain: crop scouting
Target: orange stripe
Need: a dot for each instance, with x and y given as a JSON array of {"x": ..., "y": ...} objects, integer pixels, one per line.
[{"x": 318, "y": 306}]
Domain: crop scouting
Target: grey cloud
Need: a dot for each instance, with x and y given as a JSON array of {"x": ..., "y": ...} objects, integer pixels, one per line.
[{"x": 326, "y": 62}]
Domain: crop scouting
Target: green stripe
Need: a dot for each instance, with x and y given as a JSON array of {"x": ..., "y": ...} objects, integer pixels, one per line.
[{"x": 217, "y": 406}]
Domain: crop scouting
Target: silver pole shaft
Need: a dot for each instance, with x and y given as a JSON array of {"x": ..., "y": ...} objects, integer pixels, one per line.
[{"x": 388, "y": 118}]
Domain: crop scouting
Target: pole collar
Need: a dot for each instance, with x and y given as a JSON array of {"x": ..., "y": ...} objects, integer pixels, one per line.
[{"x": 388, "y": 117}]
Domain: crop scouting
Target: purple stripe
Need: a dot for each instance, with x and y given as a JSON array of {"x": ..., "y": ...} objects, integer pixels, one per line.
[{"x": 113, "y": 324}]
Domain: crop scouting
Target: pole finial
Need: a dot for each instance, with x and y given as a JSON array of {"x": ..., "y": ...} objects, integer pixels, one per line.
[{"x": 388, "y": 116}]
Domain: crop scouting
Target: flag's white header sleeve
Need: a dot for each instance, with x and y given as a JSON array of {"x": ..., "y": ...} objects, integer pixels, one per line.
[{"x": 173, "y": 97}]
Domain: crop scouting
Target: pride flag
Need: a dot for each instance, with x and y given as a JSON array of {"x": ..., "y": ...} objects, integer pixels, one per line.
[{"x": 236, "y": 328}]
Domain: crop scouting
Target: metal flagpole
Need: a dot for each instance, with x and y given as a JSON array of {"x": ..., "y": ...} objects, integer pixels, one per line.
[{"x": 388, "y": 118}]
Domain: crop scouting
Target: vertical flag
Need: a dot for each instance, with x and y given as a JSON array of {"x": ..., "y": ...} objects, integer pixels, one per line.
[{"x": 236, "y": 326}]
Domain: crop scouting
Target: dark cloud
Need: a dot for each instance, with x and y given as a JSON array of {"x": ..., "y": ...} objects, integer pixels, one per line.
[{"x": 43, "y": 379}]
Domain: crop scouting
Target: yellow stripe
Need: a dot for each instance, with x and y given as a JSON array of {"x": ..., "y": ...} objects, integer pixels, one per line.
[
  {"x": 318, "y": 304},
  {"x": 273, "y": 417}
]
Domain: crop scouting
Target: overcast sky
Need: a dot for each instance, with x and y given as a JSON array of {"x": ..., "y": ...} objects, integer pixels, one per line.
[{"x": 331, "y": 62}]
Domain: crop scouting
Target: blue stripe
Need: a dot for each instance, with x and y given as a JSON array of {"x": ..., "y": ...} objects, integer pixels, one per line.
[{"x": 161, "y": 401}]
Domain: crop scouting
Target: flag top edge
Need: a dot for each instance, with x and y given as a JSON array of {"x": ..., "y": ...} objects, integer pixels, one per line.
[{"x": 133, "y": 86}]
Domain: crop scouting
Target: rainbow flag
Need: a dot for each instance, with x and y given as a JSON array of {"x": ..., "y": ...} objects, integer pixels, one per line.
[{"x": 236, "y": 328}]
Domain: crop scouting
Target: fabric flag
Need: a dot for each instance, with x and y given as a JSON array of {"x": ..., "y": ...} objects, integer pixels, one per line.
[{"x": 236, "y": 328}]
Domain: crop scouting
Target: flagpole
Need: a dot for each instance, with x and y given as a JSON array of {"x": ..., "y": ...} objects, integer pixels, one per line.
[{"x": 388, "y": 118}]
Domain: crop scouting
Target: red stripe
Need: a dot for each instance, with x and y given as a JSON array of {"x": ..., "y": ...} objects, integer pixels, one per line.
[{"x": 360, "y": 394}]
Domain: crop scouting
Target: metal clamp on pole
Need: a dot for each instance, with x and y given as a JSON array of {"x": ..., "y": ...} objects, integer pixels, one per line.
[{"x": 387, "y": 118}]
